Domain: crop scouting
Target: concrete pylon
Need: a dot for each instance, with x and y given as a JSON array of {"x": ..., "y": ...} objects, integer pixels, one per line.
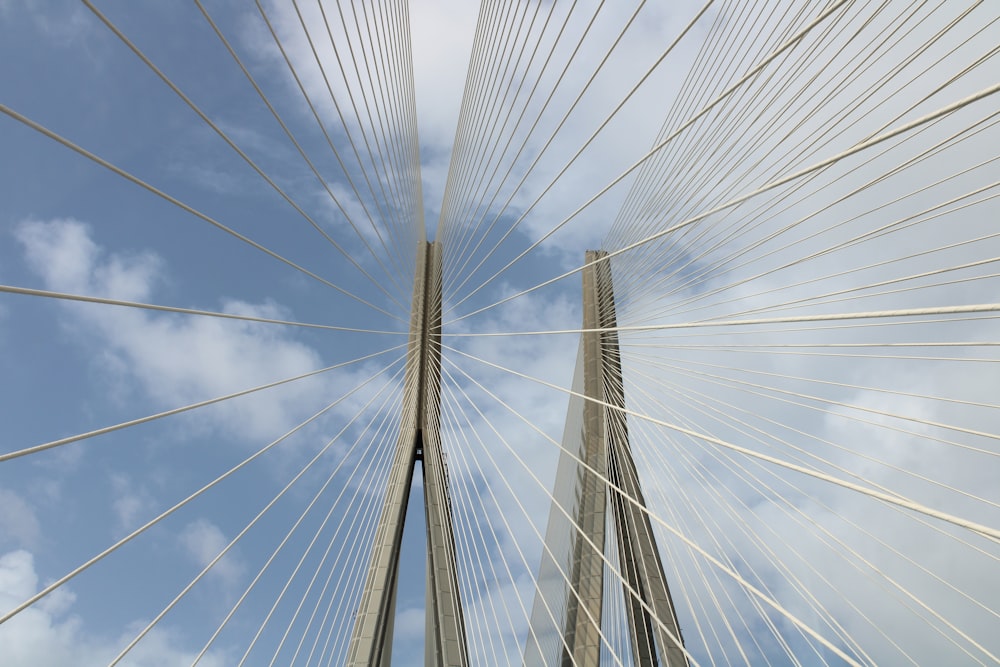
[
  {"x": 607, "y": 451},
  {"x": 419, "y": 439}
]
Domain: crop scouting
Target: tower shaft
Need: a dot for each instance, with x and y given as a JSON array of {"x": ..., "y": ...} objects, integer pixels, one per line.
[
  {"x": 639, "y": 558},
  {"x": 606, "y": 450},
  {"x": 419, "y": 439}
]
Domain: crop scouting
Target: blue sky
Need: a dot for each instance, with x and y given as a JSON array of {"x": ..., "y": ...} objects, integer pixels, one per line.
[
  {"x": 69, "y": 225},
  {"x": 72, "y": 226},
  {"x": 90, "y": 232}
]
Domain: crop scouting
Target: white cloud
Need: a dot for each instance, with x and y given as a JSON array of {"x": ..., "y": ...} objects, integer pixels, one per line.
[
  {"x": 18, "y": 523},
  {"x": 175, "y": 360},
  {"x": 63, "y": 25},
  {"x": 132, "y": 506},
  {"x": 442, "y": 42},
  {"x": 202, "y": 540},
  {"x": 48, "y": 634}
]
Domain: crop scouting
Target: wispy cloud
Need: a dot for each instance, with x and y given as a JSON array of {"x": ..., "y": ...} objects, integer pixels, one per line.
[
  {"x": 203, "y": 541},
  {"x": 19, "y": 525},
  {"x": 173, "y": 360},
  {"x": 49, "y": 635}
]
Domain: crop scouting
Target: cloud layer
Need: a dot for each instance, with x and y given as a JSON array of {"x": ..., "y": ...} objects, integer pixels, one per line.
[
  {"x": 173, "y": 360},
  {"x": 49, "y": 635}
]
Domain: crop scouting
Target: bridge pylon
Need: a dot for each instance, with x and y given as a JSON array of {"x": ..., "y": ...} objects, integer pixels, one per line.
[
  {"x": 419, "y": 440},
  {"x": 568, "y": 615},
  {"x": 638, "y": 556}
]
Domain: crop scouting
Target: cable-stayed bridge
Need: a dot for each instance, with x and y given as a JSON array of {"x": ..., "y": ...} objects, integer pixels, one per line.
[{"x": 534, "y": 333}]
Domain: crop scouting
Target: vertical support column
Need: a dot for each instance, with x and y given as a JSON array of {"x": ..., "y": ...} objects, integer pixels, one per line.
[
  {"x": 419, "y": 437},
  {"x": 639, "y": 558},
  {"x": 445, "y": 630},
  {"x": 583, "y": 609}
]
